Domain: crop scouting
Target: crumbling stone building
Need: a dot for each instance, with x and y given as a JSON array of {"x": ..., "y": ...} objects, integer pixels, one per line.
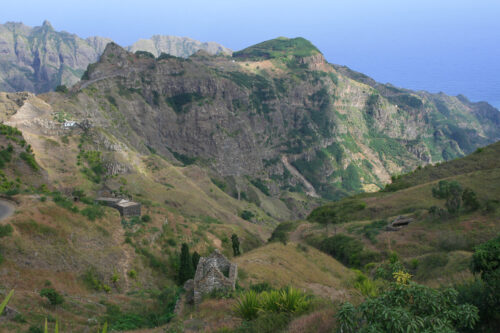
[
  {"x": 214, "y": 272},
  {"x": 126, "y": 207}
]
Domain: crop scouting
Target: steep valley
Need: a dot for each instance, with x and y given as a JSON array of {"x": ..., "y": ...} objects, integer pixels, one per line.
[{"x": 267, "y": 143}]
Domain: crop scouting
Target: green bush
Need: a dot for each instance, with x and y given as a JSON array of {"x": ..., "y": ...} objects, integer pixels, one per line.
[
  {"x": 179, "y": 101},
  {"x": 53, "y": 296},
  {"x": 5, "y": 230},
  {"x": 30, "y": 160},
  {"x": 347, "y": 250},
  {"x": 64, "y": 202},
  {"x": 261, "y": 186},
  {"x": 280, "y": 233},
  {"x": 146, "y": 218},
  {"x": 92, "y": 279},
  {"x": 219, "y": 183},
  {"x": 408, "y": 307},
  {"x": 144, "y": 54},
  {"x": 470, "y": 200},
  {"x": 93, "y": 212},
  {"x": 247, "y": 215},
  {"x": 61, "y": 88}
]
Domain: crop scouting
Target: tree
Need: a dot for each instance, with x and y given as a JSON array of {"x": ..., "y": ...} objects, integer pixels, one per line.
[
  {"x": 186, "y": 270},
  {"x": 236, "y": 244},
  {"x": 195, "y": 258},
  {"x": 408, "y": 307},
  {"x": 469, "y": 199},
  {"x": 454, "y": 198},
  {"x": 53, "y": 296},
  {"x": 325, "y": 215},
  {"x": 441, "y": 191},
  {"x": 486, "y": 261}
]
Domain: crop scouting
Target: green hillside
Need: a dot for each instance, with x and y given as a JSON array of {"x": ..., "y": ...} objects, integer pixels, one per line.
[{"x": 277, "y": 48}]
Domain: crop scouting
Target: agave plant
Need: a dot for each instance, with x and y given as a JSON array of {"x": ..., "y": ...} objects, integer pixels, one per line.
[
  {"x": 271, "y": 301},
  {"x": 248, "y": 305},
  {"x": 5, "y": 301},
  {"x": 293, "y": 300}
]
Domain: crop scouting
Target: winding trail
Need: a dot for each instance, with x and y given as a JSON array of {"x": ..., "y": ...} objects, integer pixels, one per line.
[
  {"x": 7, "y": 208},
  {"x": 310, "y": 189}
]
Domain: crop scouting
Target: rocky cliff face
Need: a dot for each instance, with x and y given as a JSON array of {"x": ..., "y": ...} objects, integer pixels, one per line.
[
  {"x": 176, "y": 46},
  {"x": 243, "y": 117},
  {"x": 38, "y": 59}
]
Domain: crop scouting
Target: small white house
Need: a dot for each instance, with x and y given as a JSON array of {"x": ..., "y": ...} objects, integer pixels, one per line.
[{"x": 69, "y": 124}]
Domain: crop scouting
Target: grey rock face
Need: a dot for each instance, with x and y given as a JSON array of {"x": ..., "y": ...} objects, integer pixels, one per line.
[
  {"x": 241, "y": 120},
  {"x": 40, "y": 58},
  {"x": 177, "y": 46},
  {"x": 37, "y": 59}
]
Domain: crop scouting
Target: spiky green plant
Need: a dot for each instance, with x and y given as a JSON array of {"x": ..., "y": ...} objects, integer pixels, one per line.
[
  {"x": 248, "y": 305},
  {"x": 271, "y": 301},
  {"x": 105, "y": 328},
  {"x": 5, "y": 301},
  {"x": 293, "y": 300}
]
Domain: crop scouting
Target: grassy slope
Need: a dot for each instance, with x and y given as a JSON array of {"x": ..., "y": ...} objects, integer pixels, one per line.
[{"x": 453, "y": 238}]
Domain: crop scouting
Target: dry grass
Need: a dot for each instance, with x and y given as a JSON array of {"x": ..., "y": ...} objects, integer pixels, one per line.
[{"x": 283, "y": 265}]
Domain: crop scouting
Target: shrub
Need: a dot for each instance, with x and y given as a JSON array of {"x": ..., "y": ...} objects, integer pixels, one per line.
[
  {"x": 53, "y": 296},
  {"x": 30, "y": 160},
  {"x": 408, "y": 307},
  {"x": 177, "y": 102},
  {"x": 347, "y": 250},
  {"x": 93, "y": 212},
  {"x": 469, "y": 199},
  {"x": 246, "y": 215},
  {"x": 261, "y": 186},
  {"x": 144, "y": 54},
  {"x": 366, "y": 286},
  {"x": 146, "y": 218},
  {"x": 280, "y": 234},
  {"x": 92, "y": 279},
  {"x": 62, "y": 88},
  {"x": 64, "y": 202},
  {"x": 5, "y": 230},
  {"x": 219, "y": 183},
  {"x": 132, "y": 274}
]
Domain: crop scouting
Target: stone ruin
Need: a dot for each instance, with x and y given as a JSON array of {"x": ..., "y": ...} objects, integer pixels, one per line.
[
  {"x": 399, "y": 223},
  {"x": 214, "y": 272}
]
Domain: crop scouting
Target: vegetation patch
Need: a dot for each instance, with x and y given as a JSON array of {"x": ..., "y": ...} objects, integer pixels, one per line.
[
  {"x": 277, "y": 48},
  {"x": 179, "y": 101}
]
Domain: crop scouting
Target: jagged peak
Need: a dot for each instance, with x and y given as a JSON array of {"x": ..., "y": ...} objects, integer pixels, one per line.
[
  {"x": 47, "y": 24},
  {"x": 112, "y": 49},
  {"x": 279, "y": 47}
]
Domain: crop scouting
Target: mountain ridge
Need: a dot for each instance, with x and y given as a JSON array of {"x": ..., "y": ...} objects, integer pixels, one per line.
[
  {"x": 341, "y": 134},
  {"x": 38, "y": 59}
]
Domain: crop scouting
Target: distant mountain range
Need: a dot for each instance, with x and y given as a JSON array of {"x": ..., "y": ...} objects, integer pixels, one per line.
[{"x": 38, "y": 59}]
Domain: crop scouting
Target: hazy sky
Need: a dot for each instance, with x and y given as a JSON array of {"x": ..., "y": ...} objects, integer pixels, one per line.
[{"x": 449, "y": 45}]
